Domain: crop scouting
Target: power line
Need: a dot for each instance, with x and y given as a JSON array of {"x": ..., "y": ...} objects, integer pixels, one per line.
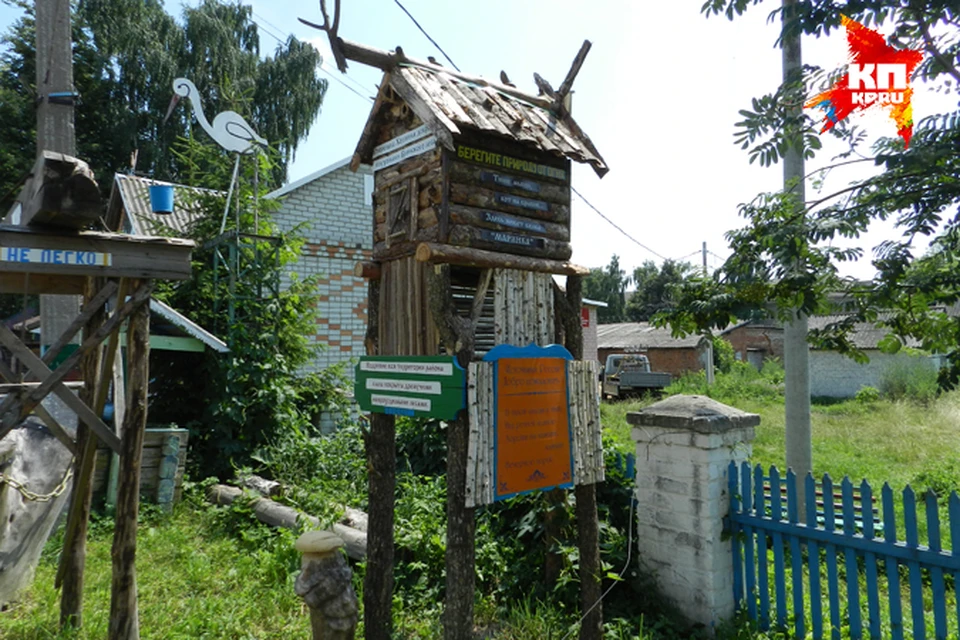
[
  {"x": 616, "y": 226},
  {"x": 424, "y": 32},
  {"x": 334, "y": 77}
]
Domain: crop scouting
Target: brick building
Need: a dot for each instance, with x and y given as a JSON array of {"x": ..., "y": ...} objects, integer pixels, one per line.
[
  {"x": 756, "y": 340},
  {"x": 588, "y": 320},
  {"x": 331, "y": 210},
  {"x": 676, "y": 356}
]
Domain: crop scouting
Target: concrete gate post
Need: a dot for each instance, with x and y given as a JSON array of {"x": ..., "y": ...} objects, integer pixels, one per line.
[{"x": 684, "y": 447}]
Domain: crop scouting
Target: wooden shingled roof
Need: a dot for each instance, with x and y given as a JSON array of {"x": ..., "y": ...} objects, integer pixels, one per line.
[{"x": 451, "y": 103}]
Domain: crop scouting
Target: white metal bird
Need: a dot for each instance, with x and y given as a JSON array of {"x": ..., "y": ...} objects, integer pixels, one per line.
[{"x": 229, "y": 129}]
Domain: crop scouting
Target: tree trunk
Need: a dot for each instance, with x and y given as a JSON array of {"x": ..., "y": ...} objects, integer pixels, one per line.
[
  {"x": 378, "y": 582},
  {"x": 74, "y": 553},
  {"x": 461, "y": 530},
  {"x": 588, "y": 522},
  {"x": 124, "y": 618}
]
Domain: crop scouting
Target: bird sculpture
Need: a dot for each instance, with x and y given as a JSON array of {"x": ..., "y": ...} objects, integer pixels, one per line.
[{"x": 229, "y": 129}]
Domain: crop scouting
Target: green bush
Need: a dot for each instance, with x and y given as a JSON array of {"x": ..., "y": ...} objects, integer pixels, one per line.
[
  {"x": 723, "y": 354},
  {"x": 913, "y": 378},
  {"x": 867, "y": 394},
  {"x": 740, "y": 382}
]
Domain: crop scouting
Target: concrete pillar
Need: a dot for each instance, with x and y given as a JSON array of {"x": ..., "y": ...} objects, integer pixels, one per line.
[{"x": 684, "y": 447}]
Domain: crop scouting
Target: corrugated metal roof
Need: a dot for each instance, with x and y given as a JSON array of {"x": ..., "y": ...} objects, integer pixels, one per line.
[
  {"x": 641, "y": 335},
  {"x": 865, "y": 335},
  {"x": 134, "y": 192},
  {"x": 457, "y": 104},
  {"x": 188, "y": 325}
]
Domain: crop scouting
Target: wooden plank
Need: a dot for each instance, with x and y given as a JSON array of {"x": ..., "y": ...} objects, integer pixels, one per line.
[
  {"x": 75, "y": 254},
  {"x": 833, "y": 584},
  {"x": 759, "y": 501},
  {"x": 41, "y": 283},
  {"x": 507, "y": 181},
  {"x": 870, "y": 562},
  {"x": 813, "y": 560},
  {"x": 473, "y": 216},
  {"x": 509, "y": 242},
  {"x": 750, "y": 577},
  {"x": 736, "y": 507},
  {"x": 850, "y": 559},
  {"x": 916, "y": 577},
  {"x": 491, "y": 199},
  {"x": 441, "y": 126},
  {"x": 796, "y": 559},
  {"x": 92, "y": 306}
]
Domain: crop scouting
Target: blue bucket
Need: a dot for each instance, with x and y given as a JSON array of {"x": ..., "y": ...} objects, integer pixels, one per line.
[{"x": 161, "y": 198}]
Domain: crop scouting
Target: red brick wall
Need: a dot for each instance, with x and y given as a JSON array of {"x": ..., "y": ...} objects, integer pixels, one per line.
[
  {"x": 674, "y": 361},
  {"x": 764, "y": 338}
]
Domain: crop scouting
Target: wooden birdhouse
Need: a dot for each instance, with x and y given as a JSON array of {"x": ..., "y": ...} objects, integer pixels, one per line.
[{"x": 475, "y": 174}]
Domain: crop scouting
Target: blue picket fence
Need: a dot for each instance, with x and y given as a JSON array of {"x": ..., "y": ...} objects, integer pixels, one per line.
[{"x": 839, "y": 546}]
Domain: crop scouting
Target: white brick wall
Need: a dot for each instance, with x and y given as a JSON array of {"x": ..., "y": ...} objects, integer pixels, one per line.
[
  {"x": 334, "y": 214},
  {"x": 590, "y": 336},
  {"x": 835, "y": 376}
]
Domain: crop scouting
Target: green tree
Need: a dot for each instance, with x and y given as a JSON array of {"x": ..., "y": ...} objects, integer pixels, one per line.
[
  {"x": 608, "y": 285},
  {"x": 653, "y": 288},
  {"x": 126, "y": 55},
  {"x": 784, "y": 257},
  {"x": 235, "y": 403}
]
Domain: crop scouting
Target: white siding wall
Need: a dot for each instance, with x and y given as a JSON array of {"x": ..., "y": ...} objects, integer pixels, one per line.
[
  {"x": 336, "y": 214},
  {"x": 835, "y": 376},
  {"x": 590, "y": 336}
]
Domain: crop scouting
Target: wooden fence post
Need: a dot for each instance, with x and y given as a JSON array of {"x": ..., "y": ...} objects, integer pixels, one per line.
[{"x": 124, "y": 622}]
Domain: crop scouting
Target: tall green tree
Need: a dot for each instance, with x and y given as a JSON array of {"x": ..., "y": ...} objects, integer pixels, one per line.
[
  {"x": 608, "y": 285},
  {"x": 653, "y": 288},
  {"x": 126, "y": 55},
  {"x": 785, "y": 256}
]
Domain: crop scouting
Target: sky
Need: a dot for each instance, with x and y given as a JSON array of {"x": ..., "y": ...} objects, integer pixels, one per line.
[{"x": 659, "y": 95}]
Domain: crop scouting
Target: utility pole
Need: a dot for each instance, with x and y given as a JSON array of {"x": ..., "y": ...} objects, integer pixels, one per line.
[
  {"x": 55, "y": 132},
  {"x": 796, "y": 353},
  {"x": 705, "y": 274}
]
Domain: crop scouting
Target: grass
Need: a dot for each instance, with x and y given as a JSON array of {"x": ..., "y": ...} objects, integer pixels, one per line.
[{"x": 205, "y": 573}]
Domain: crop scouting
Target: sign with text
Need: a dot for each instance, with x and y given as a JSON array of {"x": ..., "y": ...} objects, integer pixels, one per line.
[
  {"x": 503, "y": 161},
  {"x": 55, "y": 256},
  {"x": 423, "y": 386},
  {"x": 532, "y": 444}
]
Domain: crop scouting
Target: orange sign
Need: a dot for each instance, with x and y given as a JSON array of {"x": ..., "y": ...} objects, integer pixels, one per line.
[{"x": 532, "y": 426}]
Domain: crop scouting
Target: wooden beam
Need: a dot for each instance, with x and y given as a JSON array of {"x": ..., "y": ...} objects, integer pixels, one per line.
[
  {"x": 124, "y": 618},
  {"x": 62, "y": 193},
  {"x": 368, "y": 270},
  {"x": 92, "y": 253},
  {"x": 58, "y": 431},
  {"x": 437, "y": 253},
  {"x": 32, "y": 362},
  {"x": 90, "y": 307},
  {"x": 567, "y": 83},
  {"x": 41, "y": 283}
]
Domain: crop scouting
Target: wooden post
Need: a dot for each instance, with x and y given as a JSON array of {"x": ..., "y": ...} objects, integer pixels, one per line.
[
  {"x": 382, "y": 463},
  {"x": 74, "y": 554},
  {"x": 457, "y": 335},
  {"x": 588, "y": 525},
  {"x": 378, "y": 581},
  {"x": 124, "y": 623}
]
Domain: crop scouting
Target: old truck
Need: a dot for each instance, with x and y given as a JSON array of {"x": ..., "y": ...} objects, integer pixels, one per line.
[{"x": 628, "y": 374}]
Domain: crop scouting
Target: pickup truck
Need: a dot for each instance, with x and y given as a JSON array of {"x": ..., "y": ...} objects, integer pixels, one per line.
[{"x": 628, "y": 374}]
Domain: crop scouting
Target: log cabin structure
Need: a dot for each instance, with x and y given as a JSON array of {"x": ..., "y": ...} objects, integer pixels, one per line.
[{"x": 471, "y": 220}]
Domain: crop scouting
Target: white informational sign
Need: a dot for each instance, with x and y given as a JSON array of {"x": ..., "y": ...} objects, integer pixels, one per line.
[
  {"x": 409, "y": 386},
  {"x": 401, "y": 141},
  {"x": 399, "y": 402},
  {"x": 413, "y": 150},
  {"x": 415, "y": 368},
  {"x": 28, "y": 255}
]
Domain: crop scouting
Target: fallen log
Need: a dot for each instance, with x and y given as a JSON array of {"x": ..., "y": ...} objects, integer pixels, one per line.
[
  {"x": 278, "y": 515},
  {"x": 353, "y": 518}
]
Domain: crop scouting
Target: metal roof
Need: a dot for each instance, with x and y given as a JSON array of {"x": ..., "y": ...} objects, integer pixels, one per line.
[
  {"x": 134, "y": 194},
  {"x": 189, "y": 326},
  {"x": 642, "y": 335},
  {"x": 865, "y": 335},
  {"x": 450, "y": 105}
]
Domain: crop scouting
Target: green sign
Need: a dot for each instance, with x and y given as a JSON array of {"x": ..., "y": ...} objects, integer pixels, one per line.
[{"x": 422, "y": 386}]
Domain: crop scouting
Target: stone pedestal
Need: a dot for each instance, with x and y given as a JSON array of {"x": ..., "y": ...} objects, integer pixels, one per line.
[{"x": 684, "y": 447}]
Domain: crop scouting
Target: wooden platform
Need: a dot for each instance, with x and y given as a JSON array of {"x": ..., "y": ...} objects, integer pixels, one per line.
[{"x": 56, "y": 261}]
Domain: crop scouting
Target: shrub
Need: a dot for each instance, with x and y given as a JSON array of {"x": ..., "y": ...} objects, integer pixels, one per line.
[
  {"x": 867, "y": 395},
  {"x": 910, "y": 378}
]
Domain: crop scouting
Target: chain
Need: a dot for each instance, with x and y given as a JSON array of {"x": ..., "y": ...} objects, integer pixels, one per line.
[{"x": 38, "y": 497}]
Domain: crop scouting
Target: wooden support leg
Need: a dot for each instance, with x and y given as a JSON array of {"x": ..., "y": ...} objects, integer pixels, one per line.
[
  {"x": 461, "y": 530},
  {"x": 124, "y": 619},
  {"x": 378, "y": 582},
  {"x": 74, "y": 554},
  {"x": 588, "y": 525}
]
